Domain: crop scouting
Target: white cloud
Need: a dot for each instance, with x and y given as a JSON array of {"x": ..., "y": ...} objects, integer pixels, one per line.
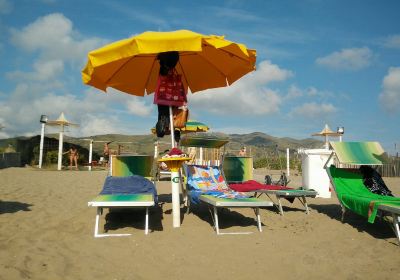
[
  {"x": 347, "y": 59},
  {"x": 294, "y": 92},
  {"x": 248, "y": 96},
  {"x": 138, "y": 107},
  {"x": 392, "y": 42},
  {"x": 390, "y": 96},
  {"x": 43, "y": 71},
  {"x": 313, "y": 110},
  {"x": 5, "y": 7},
  {"x": 97, "y": 125},
  {"x": 54, "y": 37}
]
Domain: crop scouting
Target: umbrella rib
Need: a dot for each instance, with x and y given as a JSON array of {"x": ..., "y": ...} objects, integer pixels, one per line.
[
  {"x": 148, "y": 76},
  {"x": 184, "y": 75}
]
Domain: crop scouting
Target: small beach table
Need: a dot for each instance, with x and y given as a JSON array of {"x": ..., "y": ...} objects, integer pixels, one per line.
[{"x": 174, "y": 164}]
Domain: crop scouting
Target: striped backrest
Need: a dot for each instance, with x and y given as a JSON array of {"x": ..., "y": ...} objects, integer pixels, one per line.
[
  {"x": 359, "y": 153},
  {"x": 128, "y": 165}
]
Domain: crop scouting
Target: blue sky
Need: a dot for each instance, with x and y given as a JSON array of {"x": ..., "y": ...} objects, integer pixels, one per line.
[{"x": 334, "y": 62}]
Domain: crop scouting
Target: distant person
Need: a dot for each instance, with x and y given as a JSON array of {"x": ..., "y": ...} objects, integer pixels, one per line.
[
  {"x": 242, "y": 152},
  {"x": 73, "y": 157},
  {"x": 106, "y": 153},
  {"x": 192, "y": 155}
]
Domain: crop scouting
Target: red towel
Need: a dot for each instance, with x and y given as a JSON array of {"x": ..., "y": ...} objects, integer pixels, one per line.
[{"x": 251, "y": 185}]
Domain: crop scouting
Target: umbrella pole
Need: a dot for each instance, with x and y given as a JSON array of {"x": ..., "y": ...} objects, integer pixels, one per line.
[{"x": 171, "y": 122}]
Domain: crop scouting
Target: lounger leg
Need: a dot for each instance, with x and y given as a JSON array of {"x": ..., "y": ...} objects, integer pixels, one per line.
[
  {"x": 96, "y": 226},
  {"x": 304, "y": 201},
  {"x": 216, "y": 219},
  {"x": 396, "y": 228},
  {"x": 279, "y": 204},
  {"x": 258, "y": 219},
  {"x": 146, "y": 227},
  {"x": 343, "y": 212}
]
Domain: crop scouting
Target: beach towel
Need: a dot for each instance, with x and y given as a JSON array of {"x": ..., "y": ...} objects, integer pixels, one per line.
[
  {"x": 353, "y": 194},
  {"x": 208, "y": 180},
  {"x": 128, "y": 185},
  {"x": 253, "y": 186}
]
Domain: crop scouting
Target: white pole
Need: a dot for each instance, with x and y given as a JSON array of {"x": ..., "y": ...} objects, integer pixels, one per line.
[
  {"x": 155, "y": 150},
  {"x": 176, "y": 211},
  {"x": 41, "y": 146},
  {"x": 287, "y": 162},
  {"x": 90, "y": 155},
  {"x": 171, "y": 122},
  {"x": 60, "y": 147},
  {"x": 201, "y": 155},
  {"x": 340, "y": 138},
  {"x": 326, "y": 142}
]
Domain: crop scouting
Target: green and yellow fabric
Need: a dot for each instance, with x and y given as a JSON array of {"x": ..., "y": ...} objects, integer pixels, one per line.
[
  {"x": 128, "y": 165},
  {"x": 359, "y": 153},
  {"x": 140, "y": 199}
]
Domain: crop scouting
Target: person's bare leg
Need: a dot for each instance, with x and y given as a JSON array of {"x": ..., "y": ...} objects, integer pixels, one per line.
[{"x": 70, "y": 162}]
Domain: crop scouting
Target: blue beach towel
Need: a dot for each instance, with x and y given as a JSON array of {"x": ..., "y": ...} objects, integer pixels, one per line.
[{"x": 128, "y": 185}]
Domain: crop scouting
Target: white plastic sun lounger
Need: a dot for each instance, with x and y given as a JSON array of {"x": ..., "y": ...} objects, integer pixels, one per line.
[
  {"x": 214, "y": 180},
  {"x": 121, "y": 201}
]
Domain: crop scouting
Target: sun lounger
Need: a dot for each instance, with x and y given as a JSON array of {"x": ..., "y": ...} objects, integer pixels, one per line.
[
  {"x": 349, "y": 186},
  {"x": 131, "y": 191},
  {"x": 121, "y": 201},
  {"x": 277, "y": 191},
  {"x": 206, "y": 184}
]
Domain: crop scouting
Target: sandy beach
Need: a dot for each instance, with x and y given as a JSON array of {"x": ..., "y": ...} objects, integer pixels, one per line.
[{"x": 46, "y": 232}]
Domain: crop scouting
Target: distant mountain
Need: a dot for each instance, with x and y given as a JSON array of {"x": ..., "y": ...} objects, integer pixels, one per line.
[{"x": 258, "y": 143}]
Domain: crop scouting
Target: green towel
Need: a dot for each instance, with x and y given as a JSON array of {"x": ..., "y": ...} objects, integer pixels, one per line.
[{"x": 355, "y": 196}]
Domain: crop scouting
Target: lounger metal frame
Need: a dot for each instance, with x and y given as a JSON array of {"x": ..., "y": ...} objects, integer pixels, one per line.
[
  {"x": 120, "y": 204},
  {"x": 216, "y": 203},
  {"x": 301, "y": 196}
]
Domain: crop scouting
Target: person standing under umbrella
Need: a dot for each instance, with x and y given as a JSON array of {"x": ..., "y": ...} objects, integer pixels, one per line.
[{"x": 169, "y": 92}]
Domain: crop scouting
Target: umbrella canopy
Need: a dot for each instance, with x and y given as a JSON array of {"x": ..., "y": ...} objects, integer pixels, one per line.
[
  {"x": 326, "y": 132},
  {"x": 62, "y": 121},
  {"x": 205, "y": 61},
  {"x": 194, "y": 126},
  {"x": 191, "y": 126}
]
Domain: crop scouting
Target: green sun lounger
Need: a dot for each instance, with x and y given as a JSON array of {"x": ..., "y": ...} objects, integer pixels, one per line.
[{"x": 349, "y": 187}]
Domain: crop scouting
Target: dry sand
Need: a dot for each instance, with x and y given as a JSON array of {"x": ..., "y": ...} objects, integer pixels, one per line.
[{"x": 46, "y": 232}]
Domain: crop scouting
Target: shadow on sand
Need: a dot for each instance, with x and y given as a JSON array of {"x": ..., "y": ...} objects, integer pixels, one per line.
[
  {"x": 123, "y": 218},
  {"x": 380, "y": 229},
  {"x": 13, "y": 206}
]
